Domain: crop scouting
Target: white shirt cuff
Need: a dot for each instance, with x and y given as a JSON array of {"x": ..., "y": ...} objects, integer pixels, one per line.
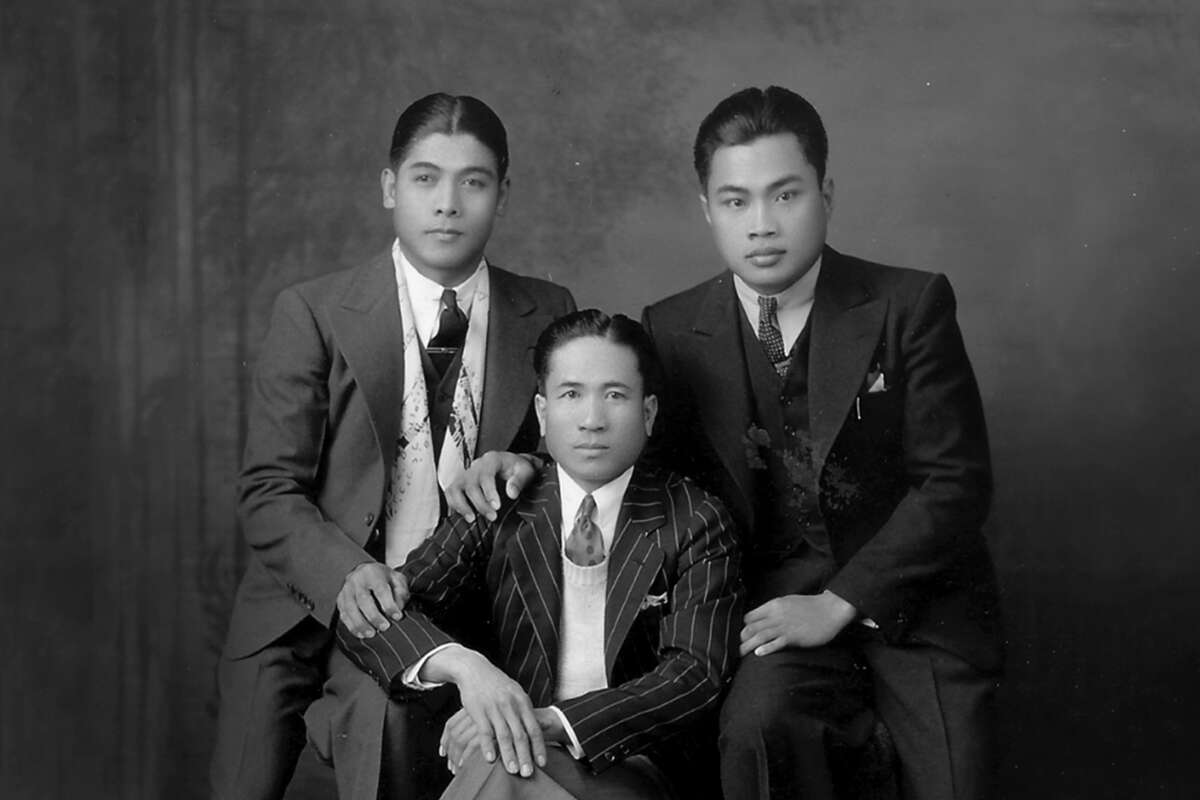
[
  {"x": 410, "y": 677},
  {"x": 574, "y": 748}
]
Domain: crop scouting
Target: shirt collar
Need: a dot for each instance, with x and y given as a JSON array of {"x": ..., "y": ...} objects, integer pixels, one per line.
[
  {"x": 798, "y": 295},
  {"x": 608, "y": 503},
  {"x": 424, "y": 291}
]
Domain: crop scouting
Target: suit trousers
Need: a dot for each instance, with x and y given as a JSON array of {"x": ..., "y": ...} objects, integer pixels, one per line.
[
  {"x": 563, "y": 778},
  {"x": 379, "y": 747},
  {"x": 260, "y": 725},
  {"x": 795, "y": 720}
]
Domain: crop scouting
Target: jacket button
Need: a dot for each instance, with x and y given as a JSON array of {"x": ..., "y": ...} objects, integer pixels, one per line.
[{"x": 369, "y": 520}]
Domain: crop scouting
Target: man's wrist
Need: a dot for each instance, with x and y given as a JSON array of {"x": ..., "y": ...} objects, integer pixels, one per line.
[
  {"x": 450, "y": 665},
  {"x": 840, "y": 610}
]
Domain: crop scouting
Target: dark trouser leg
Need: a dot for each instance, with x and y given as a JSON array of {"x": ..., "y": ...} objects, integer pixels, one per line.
[
  {"x": 940, "y": 712},
  {"x": 790, "y": 718},
  {"x": 260, "y": 724},
  {"x": 379, "y": 747}
]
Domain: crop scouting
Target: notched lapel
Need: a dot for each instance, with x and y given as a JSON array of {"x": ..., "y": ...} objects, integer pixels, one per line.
[
  {"x": 635, "y": 560},
  {"x": 847, "y": 322},
  {"x": 721, "y": 388},
  {"x": 368, "y": 330},
  {"x": 535, "y": 557},
  {"x": 508, "y": 381}
]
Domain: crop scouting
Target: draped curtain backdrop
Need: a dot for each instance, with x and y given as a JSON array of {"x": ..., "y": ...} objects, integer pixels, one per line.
[{"x": 167, "y": 166}]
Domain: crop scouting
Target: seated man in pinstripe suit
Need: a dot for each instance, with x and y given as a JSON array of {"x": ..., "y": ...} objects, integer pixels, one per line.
[{"x": 613, "y": 595}]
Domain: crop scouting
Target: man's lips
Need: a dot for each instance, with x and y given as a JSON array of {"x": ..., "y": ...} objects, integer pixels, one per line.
[
  {"x": 765, "y": 256},
  {"x": 591, "y": 446},
  {"x": 444, "y": 234}
]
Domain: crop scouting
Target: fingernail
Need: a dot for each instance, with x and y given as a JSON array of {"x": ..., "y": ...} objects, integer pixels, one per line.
[
  {"x": 441, "y": 751},
  {"x": 489, "y": 756},
  {"x": 384, "y": 626},
  {"x": 511, "y": 767},
  {"x": 526, "y": 771},
  {"x": 541, "y": 761},
  {"x": 369, "y": 634},
  {"x": 397, "y": 616}
]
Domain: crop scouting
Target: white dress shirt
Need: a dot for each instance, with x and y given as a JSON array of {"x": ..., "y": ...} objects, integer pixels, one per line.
[
  {"x": 794, "y": 304},
  {"x": 426, "y": 295}
]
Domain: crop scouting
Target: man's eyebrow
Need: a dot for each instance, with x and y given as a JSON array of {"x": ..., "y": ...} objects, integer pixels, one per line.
[
  {"x": 424, "y": 165},
  {"x": 729, "y": 188},
  {"x": 784, "y": 181}
]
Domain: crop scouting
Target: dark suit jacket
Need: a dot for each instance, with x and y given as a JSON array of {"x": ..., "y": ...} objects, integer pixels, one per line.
[
  {"x": 666, "y": 664},
  {"x": 324, "y": 417},
  {"x": 903, "y": 490}
]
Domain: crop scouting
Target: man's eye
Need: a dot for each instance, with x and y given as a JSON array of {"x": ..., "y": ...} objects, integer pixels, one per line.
[
  {"x": 422, "y": 178},
  {"x": 616, "y": 395},
  {"x": 734, "y": 202},
  {"x": 788, "y": 195},
  {"x": 570, "y": 394},
  {"x": 474, "y": 183}
]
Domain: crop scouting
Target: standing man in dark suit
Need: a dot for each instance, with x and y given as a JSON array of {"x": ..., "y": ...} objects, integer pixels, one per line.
[
  {"x": 375, "y": 386},
  {"x": 611, "y": 593},
  {"x": 830, "y": 402}
]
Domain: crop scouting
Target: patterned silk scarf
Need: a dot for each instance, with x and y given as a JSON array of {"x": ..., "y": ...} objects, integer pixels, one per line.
[{"x": 413, "y": 503}]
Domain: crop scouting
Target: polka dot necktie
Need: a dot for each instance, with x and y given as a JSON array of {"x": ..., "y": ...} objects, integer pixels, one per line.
[
  {"x": 585, "y": 546},
  {"x": 769, "y": 335}
]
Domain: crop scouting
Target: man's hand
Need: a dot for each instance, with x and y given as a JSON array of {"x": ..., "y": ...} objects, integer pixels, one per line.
[
  {"x": 461, "y": 735},
  {"x": 795, "y": 620},
  {"x": 474, "y": 492},
  {"x": 500, "y": 712},
  {"x": 372, "y": 590}
]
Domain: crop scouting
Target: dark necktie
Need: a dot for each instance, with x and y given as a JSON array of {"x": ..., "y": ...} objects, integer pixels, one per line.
[
  {"x": 769, "y": 335},
  {"x": 451, "y": 333},
  {"x": 585, "y": 545}
]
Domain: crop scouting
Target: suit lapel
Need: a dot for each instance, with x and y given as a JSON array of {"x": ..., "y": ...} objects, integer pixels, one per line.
[
  {"x": 535, "y": 557},
  {"x": 508, "y": 374},
  {"x": 369, "y": 332},
  {"x": 722, "y": 390},
  {"x": 634, "y": 561},
  {"x": 845, "y": 331}
]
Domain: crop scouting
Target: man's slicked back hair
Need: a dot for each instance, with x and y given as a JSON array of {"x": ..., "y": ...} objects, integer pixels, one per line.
[
  {"x": 754, "y": 113},
  {"x": 450, "y": 114},
  {"x": 618, "y": 329}
]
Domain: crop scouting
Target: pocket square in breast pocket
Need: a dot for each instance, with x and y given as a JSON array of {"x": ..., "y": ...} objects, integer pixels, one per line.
[
  {"x": 652, "y": 601},
  {"x": 876, "y": 383}
]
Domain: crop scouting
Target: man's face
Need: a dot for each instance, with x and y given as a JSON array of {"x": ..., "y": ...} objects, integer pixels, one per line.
[
  {"x": 767, "y": 210},
  {"x": 444, "y": 197},
  {"x": 594, "y": 412}
]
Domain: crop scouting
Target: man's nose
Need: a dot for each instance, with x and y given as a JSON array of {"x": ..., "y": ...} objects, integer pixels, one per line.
[
  {"x": 763, "y": 224},
  {"x": 448, "y": 200},
  {"x": 593, "y": 415}
]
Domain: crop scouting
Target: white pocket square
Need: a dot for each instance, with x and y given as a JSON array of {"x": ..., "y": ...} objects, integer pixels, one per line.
[
  {"x": 652, "y": 601},
  {"x": 879, "y": 385}
]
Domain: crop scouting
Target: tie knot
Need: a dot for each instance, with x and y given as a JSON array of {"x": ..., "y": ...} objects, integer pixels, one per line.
[
  {"x": 767, "y": 305},
  {"x": 586, "y": 510},
  {"x": 449, "y": 300}
]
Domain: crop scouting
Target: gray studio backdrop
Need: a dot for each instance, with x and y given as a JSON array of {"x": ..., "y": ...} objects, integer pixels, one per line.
[{"x": 168, "y": 166}]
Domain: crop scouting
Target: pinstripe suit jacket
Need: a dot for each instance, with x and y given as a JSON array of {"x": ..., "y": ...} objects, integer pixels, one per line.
[{"x": 666, "y": 664}]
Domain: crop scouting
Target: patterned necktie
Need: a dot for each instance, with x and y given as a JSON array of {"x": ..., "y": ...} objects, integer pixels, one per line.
[
  {"x": 451, "y": 333},
  {"x": 585, "y": 546},
  {"x": 769, "y": 335}
]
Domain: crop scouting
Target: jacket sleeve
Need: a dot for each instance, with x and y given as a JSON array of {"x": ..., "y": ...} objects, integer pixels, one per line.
[
  {"x": 285, "y": 432},
  {"x": 697, "y": 643},
  {"x": 947, "y": 467},
  {"x": 449, "y": 564}
]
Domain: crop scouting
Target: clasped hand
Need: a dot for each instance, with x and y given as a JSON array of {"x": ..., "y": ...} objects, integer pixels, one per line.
[
  {"x": 497, "y": 715},
  {"x": 795, "y": 620},
  {"x": 371, "y": 593}
]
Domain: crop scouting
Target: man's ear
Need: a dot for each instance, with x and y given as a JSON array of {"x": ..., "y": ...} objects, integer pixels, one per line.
[
  {"x": 650, "y": 411},
  {"x": 827, "y": 195},
  {"x": 539, "y": 407},
  {"x": 387, "y": 185},
  {"x": 704, "y": 205},
  {"x": 502, "y": 199}
]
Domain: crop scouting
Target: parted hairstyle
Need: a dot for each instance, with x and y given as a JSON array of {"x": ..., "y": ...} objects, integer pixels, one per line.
[
  {"x": 753, "y": 113},
  {"x": 618, "y": 329},
  {"x": 450, "y": 114}
]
